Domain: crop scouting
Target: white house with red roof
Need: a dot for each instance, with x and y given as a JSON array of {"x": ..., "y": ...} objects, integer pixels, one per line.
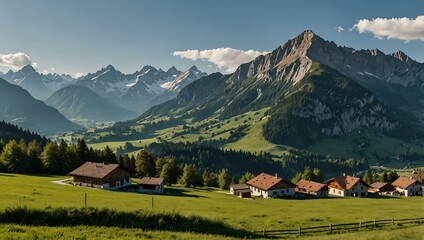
[
  {"x": 347, "y": 186},
  {"x": 408, "y": 186},
  {"x": 312, "y": 188},
  {"x": 268, "y": 186}
]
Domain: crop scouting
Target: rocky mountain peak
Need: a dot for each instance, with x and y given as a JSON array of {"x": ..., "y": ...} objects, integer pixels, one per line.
[
  {"x": 172, "y": 71},
  {"x": 110, "y": 67},
  {"x": 147, "y": 68},
  {"x": 401, "y": 56},
  {"x": 375, "y": 52},
  {"x": 194, "y": 69},
  {"x": 27, "y": 69}
]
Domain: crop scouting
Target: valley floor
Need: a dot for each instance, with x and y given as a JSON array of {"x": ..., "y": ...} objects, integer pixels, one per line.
[{"x": 251, "y": 215}]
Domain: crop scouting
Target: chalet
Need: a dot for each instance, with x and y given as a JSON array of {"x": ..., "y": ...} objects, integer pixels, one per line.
[
  {"x": 418, "y": 175},
  {"x": 151, "y": 185},
  {"x": 235, "y": 189},
  {"x": 408, "y": 187},
  {"x": 347, "y": 186},
  {"x": 101, "y": 175},
  {"x": 268, "y": 186},
  {"x": 312, "y": 188},
  {"x": 381, "y": 188}
]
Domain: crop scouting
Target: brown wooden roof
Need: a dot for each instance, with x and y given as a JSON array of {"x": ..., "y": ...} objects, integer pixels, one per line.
[
  {"x": 311, "y": 186},
  {"x": 265, "y": 182},
  {"x": 150, "y": 181},
  {"x": 403, "y": 182},
  {"x": 378, "y": 185},
  {"x": 418, "y": 175},
  {"x": 95, "y": 170},
  {"x": 239, "y": 186},
  {"x": 346, "y": 182}
]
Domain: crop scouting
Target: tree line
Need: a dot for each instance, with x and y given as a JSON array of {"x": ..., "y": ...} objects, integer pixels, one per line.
[
  {"x": 205, "y": 156},
  {"x": 9, "y": 132},
  {"x": 53, "y": 158},
  {"x": 189, "y": 175},
  {"x": 61, "y": 158}
]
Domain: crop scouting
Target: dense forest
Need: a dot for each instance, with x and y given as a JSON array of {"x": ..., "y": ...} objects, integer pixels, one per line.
[
  {"x": 212, "y": 158},
  {"x": 9, "y": 132},
  {"x": 298, "y": 159}
]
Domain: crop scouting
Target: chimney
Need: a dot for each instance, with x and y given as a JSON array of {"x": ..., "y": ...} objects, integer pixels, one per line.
[{"x": 276, "y": 175}]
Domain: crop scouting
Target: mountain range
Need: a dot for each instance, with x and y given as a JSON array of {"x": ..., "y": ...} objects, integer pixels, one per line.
[
  {"x": 309, "y": 89},
  {"x": 38, "y": 85},
  {"x": 79, "y": 103},
  {"x": 18, "y": 107},
  {"x": 107, "y": 94},
  {"x": 140, "y": 90}
]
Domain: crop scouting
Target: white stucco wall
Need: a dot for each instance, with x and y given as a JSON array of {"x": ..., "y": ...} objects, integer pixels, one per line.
[
  {"x": 337, "y": 192},
  {"x": 413, "y": 190},
  {"x": 272, "y": 193}
]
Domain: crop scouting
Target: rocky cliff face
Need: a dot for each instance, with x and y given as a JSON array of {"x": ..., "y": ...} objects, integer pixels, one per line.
[
  {"x": 291, "y": 62},
  {"x": 326, "y": 103}
]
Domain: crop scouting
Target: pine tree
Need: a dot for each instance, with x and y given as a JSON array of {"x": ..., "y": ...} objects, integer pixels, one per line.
[
  {"x": 145, "y": 165},
  {"x": 224, "y": 179},
  {"x": 108, "y": 156},
  {"x": 159, "y": 165},
  {"x": 34, "y": 152},
  {"x": 190, "y": 177},
  {"x": 297, "y": 178},
  {"x": 317, "y": 175},
  {"x": 51, "y": 158},
  {"x": 170, "y": 171},
  {"x": 392, "y": 176},
  {"x": 383, "y": 177},
  {"x": 13, "y": 158},
  {"x": 307, "y": 174},
  {"x": 246, "y": 177},
  {"x": 83, "y": 152},
  {"x": 368, "y": 178}
]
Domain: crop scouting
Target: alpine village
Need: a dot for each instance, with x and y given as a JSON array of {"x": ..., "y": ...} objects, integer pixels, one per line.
[{"x": 309, "y": 139}]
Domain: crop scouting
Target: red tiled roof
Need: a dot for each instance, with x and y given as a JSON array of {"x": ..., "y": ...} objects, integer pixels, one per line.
[
  {"x": 311, "y": 186},
  {"x": 265, "y": 181},
  {"x": 346, "y": 182},
  {"x": 403, "y": 182},
  {"x": 94, "y": 170},
  {"x": 150, "y": 181}
]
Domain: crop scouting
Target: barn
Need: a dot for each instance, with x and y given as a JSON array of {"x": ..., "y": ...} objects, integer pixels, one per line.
[{"x": 101, "y": 175}]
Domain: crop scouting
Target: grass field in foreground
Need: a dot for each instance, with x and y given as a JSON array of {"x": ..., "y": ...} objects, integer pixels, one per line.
[
  {"x": 39, "y": 191},
  {"x": 82, "y": 232}
]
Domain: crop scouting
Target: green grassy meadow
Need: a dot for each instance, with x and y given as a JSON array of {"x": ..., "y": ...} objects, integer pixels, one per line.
[
  {"x": 369, "y": 145},
  {"x": 40, "y": 192}
]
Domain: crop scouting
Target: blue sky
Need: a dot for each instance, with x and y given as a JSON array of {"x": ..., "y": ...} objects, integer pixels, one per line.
[{"x": 85, "y": 35}]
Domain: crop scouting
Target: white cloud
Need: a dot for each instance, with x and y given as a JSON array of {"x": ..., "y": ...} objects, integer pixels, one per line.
[
  {"x": 406, "y": 29},
  {"x": 227, "y": 59},
  {"x": 16, "y": 61},
  {"x": 45, "y": 72},
  {"x": 79, "y": 74},
  {"x": 340, "y": 29}
]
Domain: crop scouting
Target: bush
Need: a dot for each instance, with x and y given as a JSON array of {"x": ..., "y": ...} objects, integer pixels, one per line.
[{"x": 89, "y": 216}]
